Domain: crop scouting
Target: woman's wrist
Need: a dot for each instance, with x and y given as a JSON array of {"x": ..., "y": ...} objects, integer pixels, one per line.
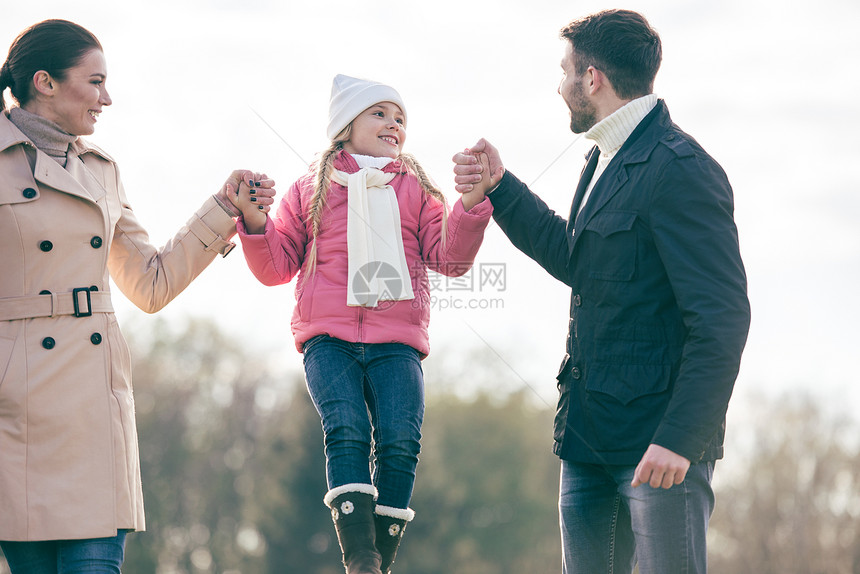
[{"x": 227, "y": 205}]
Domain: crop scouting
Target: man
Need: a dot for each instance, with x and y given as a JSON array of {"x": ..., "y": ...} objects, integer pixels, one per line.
[{"x": 658, "y": 315}]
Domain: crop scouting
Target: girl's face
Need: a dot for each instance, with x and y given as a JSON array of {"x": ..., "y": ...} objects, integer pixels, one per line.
[
  {"x": 77, "y": 101},
  {"x": 378, "y": 131}
]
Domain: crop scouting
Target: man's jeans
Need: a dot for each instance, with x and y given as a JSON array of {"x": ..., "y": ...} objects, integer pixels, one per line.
[
  {"x": 348, "y": 381},
  {"x": 88, "y": 556},
  {"x": 607, "y": 525}
]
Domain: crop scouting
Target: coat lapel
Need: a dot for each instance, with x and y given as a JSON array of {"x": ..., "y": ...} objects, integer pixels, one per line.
[
  {"x": 584, "y": 179},
  {"x": 79, "y": 170},
  {"x": 74, "y": 181},
  {"x": 611, "y": 180},
  {"x": 636, "y": 149},
  {"x": 77, "y": 181}
]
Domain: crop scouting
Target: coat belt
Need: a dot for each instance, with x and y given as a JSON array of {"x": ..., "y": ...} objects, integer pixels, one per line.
[{"x": 80, "y": 302}]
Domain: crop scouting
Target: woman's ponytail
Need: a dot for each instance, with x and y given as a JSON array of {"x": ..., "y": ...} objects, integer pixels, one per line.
[{"x": 6, "y": 81}]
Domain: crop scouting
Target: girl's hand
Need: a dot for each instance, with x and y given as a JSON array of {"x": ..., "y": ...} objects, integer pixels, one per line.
[
  {"x": 477, "y": 172},
  {"x": 479, "y": 190},
  {"x": 254, "y": 198}
]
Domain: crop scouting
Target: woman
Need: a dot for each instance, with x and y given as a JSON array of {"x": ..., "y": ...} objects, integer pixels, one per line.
[{"x": 69, "y": 472}]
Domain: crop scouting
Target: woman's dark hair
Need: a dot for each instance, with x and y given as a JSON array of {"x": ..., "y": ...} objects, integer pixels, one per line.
[
  {"x": 54, "y": 46},
  {"x": 622, "y": 45}
]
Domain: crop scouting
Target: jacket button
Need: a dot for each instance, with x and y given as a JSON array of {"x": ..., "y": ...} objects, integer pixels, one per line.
[
  {"x": 46, "y": 246},
  {"x": 577, "y": 300},
  {"x": 48, "y": 343},
  {"x": 93, "y": 288},
  {"x": 44, "y": 292},
  {"x": 96, "y": 338},
  {"x": 574, "y": 372},
  {"x": 96, "y": 242},
  {"x": 29, "y": 193}
]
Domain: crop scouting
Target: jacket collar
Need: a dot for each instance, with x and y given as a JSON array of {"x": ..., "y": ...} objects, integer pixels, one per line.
[
  {"x": 614, "y": 130},
  {"x": 83, "y": 147},
  {"x": 75, "y": 179},
  {"x": 637, "y": 149},
  {"x": 10, "y": 136}
]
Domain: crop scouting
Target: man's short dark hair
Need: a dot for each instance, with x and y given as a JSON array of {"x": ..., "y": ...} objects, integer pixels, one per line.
[{"x": 622, "y": 45}]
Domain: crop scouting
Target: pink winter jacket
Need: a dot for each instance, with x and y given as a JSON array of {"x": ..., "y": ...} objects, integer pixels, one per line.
[{"x": 277, "y": 255}]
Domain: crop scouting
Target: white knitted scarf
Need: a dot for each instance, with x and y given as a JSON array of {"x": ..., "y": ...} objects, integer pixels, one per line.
[{"x": 377, "y": 261}]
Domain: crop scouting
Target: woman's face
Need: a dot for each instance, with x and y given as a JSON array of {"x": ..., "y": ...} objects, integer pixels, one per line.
[
  {"x": 77, "y": 101},
  {"x": 378, "y": 131}
]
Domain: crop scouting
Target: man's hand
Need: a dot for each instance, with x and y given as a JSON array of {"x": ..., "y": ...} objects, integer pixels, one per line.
[
  {"x": 473, "y": 165},
  {"x": 660, "y": 467}
]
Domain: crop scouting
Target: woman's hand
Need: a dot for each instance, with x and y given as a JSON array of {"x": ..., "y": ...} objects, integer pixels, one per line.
[{"x": 253, "y": 194}]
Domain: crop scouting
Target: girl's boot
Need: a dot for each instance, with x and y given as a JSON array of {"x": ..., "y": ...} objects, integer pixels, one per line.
[
  {"x": 352, "y": 512},
  {"x": 390, "y": 524}
]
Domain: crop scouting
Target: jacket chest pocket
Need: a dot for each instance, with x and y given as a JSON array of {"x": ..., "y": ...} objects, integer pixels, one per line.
[{"x": 612, "y": 246}]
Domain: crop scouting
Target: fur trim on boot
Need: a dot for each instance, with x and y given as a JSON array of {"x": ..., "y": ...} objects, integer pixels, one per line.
[
  {"x": 390, "y": 525},
  {"x": 352, "y": 513}
]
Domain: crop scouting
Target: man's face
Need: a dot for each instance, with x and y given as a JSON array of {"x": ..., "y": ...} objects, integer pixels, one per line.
[{"x": 583, "y": 114}]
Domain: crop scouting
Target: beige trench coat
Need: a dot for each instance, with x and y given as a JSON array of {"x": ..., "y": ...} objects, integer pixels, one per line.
[{"x": 68, "y": 442}]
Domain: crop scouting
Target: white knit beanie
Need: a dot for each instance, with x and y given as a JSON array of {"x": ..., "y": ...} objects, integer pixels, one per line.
[{"x": 351, "y": 96}]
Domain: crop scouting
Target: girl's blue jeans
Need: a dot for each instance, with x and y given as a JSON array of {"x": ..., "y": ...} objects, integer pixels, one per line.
[
  {"x": 87, "y": 556},
  {"x": 369, "y": 397}
]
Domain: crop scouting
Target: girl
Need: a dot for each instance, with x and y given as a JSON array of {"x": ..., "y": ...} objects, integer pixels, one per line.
[
  {"x": 69, "y": 471},
  {"x": 361, "y": 229}
]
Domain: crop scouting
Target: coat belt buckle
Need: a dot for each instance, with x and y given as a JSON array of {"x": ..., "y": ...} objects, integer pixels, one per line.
[{"x": 75, "y": 300}]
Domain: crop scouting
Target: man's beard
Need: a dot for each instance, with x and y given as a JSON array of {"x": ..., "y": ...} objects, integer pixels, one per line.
[{"x": 583, "y": 114}]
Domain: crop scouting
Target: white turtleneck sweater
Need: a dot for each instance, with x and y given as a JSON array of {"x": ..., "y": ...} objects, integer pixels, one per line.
[{"x": 611, "y": 132}]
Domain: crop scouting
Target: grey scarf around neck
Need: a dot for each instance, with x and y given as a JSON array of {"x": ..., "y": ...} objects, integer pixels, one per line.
[{"x": 48, "y": 136}]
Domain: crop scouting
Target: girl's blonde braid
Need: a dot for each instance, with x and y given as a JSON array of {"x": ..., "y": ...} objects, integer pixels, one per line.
[
  {"x": 429, "y": 188},
  {"x": 322, "y": 181}
]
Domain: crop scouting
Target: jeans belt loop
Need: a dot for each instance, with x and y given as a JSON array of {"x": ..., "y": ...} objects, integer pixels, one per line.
[{"x": 76, "y": 302}]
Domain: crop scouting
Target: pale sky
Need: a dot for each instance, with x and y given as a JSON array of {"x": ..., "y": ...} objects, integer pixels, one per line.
[{"x": 768, "y": 88}]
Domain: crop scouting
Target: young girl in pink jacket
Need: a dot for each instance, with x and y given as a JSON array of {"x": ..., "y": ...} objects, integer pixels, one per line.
[{"x": 361, "y": 228}]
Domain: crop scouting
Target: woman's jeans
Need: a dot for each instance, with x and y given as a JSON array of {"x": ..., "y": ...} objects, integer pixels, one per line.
[
  {"x": 607, "y": 525},
  {"x": 87, "y": 556},
  {"x": 368, "y": 394}
]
